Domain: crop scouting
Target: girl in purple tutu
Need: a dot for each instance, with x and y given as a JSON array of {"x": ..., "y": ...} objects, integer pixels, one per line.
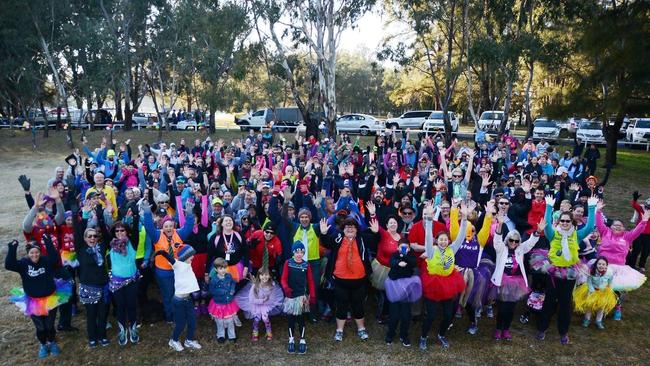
[
  {"x": 402, "y": 289},
  {"x": 261, "y": 298},
  {"x": 223, "y": 306},
  {"x": 509, "y": 278}
]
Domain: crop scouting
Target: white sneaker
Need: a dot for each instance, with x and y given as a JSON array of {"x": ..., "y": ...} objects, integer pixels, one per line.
[
  {"x": 192, "y": 344},
  {"x": 175, "y": 345}
]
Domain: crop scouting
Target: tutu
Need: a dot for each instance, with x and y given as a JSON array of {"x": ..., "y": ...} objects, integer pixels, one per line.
[
  {"x": 237, "y": 272},
  {"x": 477, "y": 281},
  {"x": 536, "y": 300},
  {"x": 512, "y": 289},
  {"x": 222, "y": 311},
  {"x": 296, "y": 305},
  {"x": 69, "y": 258},
  {"x": 626, "y": 278},
  {"x": 379, "y": 274},
  {"x": 41, "y": 306},
  {"x": 438, "y": 288},
  {"x": 407, "y": 289},
  {"x": 92, "y": 295},
  {"x": 598, "y": 300},
  {"x": 539, "y": 263},
  {"x": 272, "y": 306}
]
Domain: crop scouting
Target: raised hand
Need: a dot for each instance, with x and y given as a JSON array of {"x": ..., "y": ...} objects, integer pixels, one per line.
[
  {"x": 324, "y": 227},
  {"x": 526, "y": 185},
  {"x": 416, "y": 181},
  {"x": 636, "y": 195},
  {"x": 372, "y": 209},
  {"x": 550, "y": 200},
  {"x": 25, "y": 182},
  {"x": 374, "y": 225},
  {"x": 600, "y": 205},
  {"x": 592, "y": 201},
  {"x": 489, "y": 207},
  {"x": 541, "y": 225}
]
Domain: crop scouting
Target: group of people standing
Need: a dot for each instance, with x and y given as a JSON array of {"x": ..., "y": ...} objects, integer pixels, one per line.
[{"x": 313, "y": 228}]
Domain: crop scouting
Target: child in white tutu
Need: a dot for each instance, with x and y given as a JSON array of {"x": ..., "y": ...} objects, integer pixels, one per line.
[
  {"x": 597, "y": 294},
  {"x": 261, "y": 298}
]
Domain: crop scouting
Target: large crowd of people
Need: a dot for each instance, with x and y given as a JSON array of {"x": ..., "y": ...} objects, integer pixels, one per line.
[{"x": 311, "y": 229}]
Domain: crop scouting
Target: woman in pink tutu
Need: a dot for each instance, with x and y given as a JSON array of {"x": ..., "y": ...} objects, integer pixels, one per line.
[
  {"x": 261, "y": 298},
  {"x": 509, "y": 278},
  {"x": 223, "y": 306},
  {"x": 615, "y": 246}
]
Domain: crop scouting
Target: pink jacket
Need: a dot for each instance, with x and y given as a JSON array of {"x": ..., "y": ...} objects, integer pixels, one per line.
[{"x": 615, "y": 247}]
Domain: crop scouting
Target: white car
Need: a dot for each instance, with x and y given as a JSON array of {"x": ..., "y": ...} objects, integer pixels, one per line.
[
  {"x": 186, "y": 125},
  {"x": 591, "y": 132},
  {"x": 435, "y": 121},
  {"x": 638, "y": 130},
  {"x": 362, "y": 123},
  {"x": 412, "y": 120},
  {"x": 144, "y": 120},
  {"x": 545, "y": 128},
  {"x": 491, "y": 120}
]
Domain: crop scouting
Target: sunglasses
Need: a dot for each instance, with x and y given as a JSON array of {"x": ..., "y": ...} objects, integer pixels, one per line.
[
  {"x": 513, "y": 241},
  {"x": 244, "y": 218},
  {"x": 120, "y": 230},
  {"x": 214, "y": 189},
  {"x": 163, "y": 202},
  {"x": 91, "y": 236},
  {"x": 504, "y": 203},
  {"x": 457, "y": 176},
  {"x": 565, "y": 221},
  {"x": 408, "y": 212},
  {"x": 269, "y": 232}
]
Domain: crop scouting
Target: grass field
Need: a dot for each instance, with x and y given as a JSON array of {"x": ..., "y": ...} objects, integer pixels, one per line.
[{"x": 623, "y": 343}]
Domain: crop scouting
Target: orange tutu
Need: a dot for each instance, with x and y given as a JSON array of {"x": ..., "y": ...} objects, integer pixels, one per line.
[{"x": 439, "y": 288}]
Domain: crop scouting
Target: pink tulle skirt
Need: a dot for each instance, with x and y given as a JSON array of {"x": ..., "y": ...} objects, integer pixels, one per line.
[
  {"x": 407, "y": 289},
  {"x": 272, "y": 306},
  {"x": 223, "y": 311},
  {"x": 513, "y": 288},
  {"x": 626, "y": 278}
]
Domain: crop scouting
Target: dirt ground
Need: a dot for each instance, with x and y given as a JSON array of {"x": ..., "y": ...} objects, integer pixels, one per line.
[{"x": 623, "y": 343}]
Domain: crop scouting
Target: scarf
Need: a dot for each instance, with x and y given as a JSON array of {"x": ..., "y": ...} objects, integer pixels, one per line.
[
  {"x": 95, "y": 252},
  {"x": 119, "y": 246},
  {"x": 565, "y": 241}
]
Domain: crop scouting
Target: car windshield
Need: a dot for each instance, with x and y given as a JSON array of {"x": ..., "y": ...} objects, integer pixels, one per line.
[
  {"x": 491, "y": 115},
  {"x": 544, "y": 123},
  {"x": 590, "y": 125},
  {"x": 436, "y": 115},
  {"x": 643, "y": 123}
]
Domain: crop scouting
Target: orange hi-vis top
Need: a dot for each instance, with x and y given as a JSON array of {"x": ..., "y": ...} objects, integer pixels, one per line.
[{"x": 167, "y": 246}]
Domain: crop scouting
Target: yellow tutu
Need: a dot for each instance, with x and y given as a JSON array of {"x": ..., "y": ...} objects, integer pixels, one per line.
[{"x": 598, "y": 300}]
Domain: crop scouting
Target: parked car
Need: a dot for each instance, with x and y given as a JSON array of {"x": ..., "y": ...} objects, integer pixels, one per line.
[
  {"x": 144, "y": 120},
  {"x": 412, "y": 119},
  {"x": 622, "y": 132},
  {"x": 435, "y": 122},
  {"x": 187, "y": 125},
  {"x": 34, "y": 117},
  {"x": 638, "y": 130},
  {"x": 591, "y": 131},
  {"x": 283, "y": 119},
  {"x": 359, "y": 123},
  {"x": 491, "y": 120},
  {"x": 544, "y": 128}
]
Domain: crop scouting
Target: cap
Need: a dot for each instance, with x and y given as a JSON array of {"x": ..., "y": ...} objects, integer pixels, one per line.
[
  {"x": 297, "y": 245},
  {"x": 110, "y": 153},
  {"x": 181, "y": 179},
  {"x": 561, "y": 170},
  {"x": 185, "y": 252},
  {"x": 217, "y": 201}
]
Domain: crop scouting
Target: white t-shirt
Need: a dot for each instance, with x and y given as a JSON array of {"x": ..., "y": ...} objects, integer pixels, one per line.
[{"x": 184, "y": 279}]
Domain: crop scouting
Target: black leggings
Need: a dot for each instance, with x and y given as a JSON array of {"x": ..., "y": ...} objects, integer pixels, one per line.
[
  {"x": 559, "y": 296},
  {"x": 400, "y": 312},
  {"x": 640, "y": 246},
  {"x": 45, "y": 331},
  {"x": 126, "y": 300},
  {"x": 293, "y": 319},
  {"x": 506, "y": 311},
  {"x": 96, "y": 320},
  {"x": 349, "y": 296},
  {"x": 447, "y": 315}
]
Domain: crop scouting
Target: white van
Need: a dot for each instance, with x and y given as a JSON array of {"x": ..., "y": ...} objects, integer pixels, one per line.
[
  {"x": 491, "y": 120},
  {"x": 435, "y": 122},
  {"x": 638, "y": 130},
  {"x": 411, "y": 119},
  {"x": 591, "y": 132},
  {"x": 544, "y": 128}
]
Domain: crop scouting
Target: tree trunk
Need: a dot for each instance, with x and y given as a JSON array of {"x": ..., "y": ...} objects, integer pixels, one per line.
[
  {"x": 611, "y": 137},
  {"x": 118, "y": 106},
  {"x": 89, "y": 118},
  {"x": 46, "y": 126},
  {"x": 529, "y": 118}
]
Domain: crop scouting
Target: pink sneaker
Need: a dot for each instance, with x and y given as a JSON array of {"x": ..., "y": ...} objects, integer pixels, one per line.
[
  {"x": 497, "y": 335},
  {"x": 505, "y": 334}
]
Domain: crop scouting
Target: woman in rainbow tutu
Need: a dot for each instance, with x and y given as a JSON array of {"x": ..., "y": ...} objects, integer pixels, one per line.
[{"x": 41, "y": 294}]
